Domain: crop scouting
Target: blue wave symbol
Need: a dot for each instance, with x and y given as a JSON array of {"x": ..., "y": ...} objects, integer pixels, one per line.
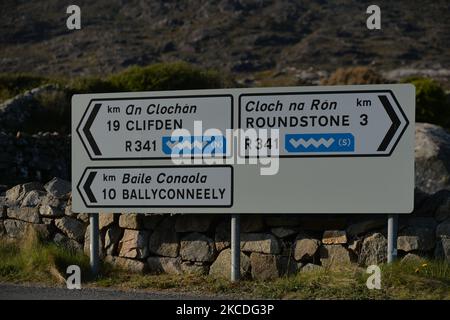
[
  {"x": 190, "y": 145},
  {"x": 320, "y": 142}
]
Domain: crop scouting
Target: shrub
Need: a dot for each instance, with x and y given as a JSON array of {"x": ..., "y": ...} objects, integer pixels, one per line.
[
  {"x": 431, "y": 101},
  {"x": 90, "y": 85},
  {"x": 355, "y": 75},
  {"x": 165, "y": 76}
]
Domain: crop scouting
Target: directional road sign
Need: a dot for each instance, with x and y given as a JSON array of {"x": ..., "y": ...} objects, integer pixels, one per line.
[{"x": 341, "y": 149}]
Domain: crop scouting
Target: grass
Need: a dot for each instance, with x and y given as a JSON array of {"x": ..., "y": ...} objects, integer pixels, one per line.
[{"x": 31, "y": 260}]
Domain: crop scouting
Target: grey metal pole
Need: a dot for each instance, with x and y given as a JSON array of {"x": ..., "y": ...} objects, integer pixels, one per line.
[
  {"x": 392, "y": 237},
  {"x": 235, "y": 247},
  {"x": 94, "y": 243}
]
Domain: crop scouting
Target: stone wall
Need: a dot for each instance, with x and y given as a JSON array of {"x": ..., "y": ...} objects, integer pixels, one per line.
[
  {"x": 36, "y": 157},
  {"x": 272, "y": 245}
]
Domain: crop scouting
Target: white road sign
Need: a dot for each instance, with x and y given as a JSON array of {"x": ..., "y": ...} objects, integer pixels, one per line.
[{"x": 342, "y": 149}]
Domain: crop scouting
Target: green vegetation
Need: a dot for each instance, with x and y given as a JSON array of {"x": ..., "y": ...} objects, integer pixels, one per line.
[
  {"x": 355, "y": 75},
  {"x": 14, "y": 84},
  {"x": 431, "y": 102},
  {"x": 32, "y": 260}
]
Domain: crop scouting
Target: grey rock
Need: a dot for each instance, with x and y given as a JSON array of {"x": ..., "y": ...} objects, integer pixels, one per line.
[
  {"x": 130, "y": 265},
  {"x": 282, "y": 220},
  {"x": 58, "y": 188},
  {"x": 362, "y": 227},
  {"x": 71, "y": 227},
  {"x": 309, "y": 267},
  {"x": 164, "y": 240},
  {"x": 412, "y": 258},
  {"x": 443, "y": 229},
  {"x": 355, "y": 246},
  {"x": 252, "y": 223},
  {"x": 131, "y": 221},
  {"x": 134, "y": 244},
  {"x": 193, "y": 223},
  {"x": 32, "y": 198},
  {"x": 67, "y": 243},
  {"x": 15, "y": 228},
  {"x": 49, "y": 211},
  {"x": 334, "y": 237},
  {"x": 432, "y": 161},
  {"x": 373, "y": 250},
  {"x": 112, "y": 237},
  {"x": 221, "y": 267},
  {"x": 265, "y": 266},
  {"x": 17, "y": 193},
  {"x": 164, "y": 265},
  {"x": 305, "y": 248},
  {"x": 222, "y": 236},
  {"x": 442, "y": 212},
  {"x": 2, "y": 229},
  {"x": 197, "y": 247},
  {"x": 27, "y": 214},
  {"x": 260, "y": 242},
  {"x": 334, "y": 256},
  {"x": 194, "y": 268},
  {"x": 429, "y": 206},
  {"x": 152, "y": 220},
  {"x": 416, "y": 238},
  {"x": 442, "y": 250},
  {"x": 105, "y": 220},
  {"x": 283, "y": 232},
  {"x": 84, "y": 217}
]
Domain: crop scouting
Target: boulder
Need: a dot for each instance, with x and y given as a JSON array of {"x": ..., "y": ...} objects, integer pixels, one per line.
[
  {"x": 323, "y": 222},
  {"x": 197, "y": 247},
  {"x": 442, "y": 250},
  {"x": 221, "y": 267},
  {"x": 164, "y": 265},
  {"x": 222, "y": 236},
  {"x": 442, "y": 212},
  {"x": 130, "y": 265},
  {"x": 43, "y": 231},
  {"x": 260, "y": 242},
  {"x": 373, "y": 250},
  {"x": 49, "y": 211},
  {"x": 164, "y": 240},
  {"x": 334, "y": 237},
  {"x": 32, "y": 198},
  {"x": 355, "y": 246},
  {"x": 152, "y": 220},
  {"x": 17, "y": 193},
  {"x": 265, "y": 266},
  {"x": 416, "y": 238},
  {"x": 432, "y": 158},
  {"x": 412, "y": 258},
  {"x": 71, "y": 227},
  {"x": 195, "y": 268},
  {"x": 67, "y": 243},
  {"x": 2, "y": 229},
  {"x": 112, "y": 237},
  {"x": 193, "y": 223},
  {"x": 305, "y": 248},
  {"x": 87, "y": 244},
  {"x": 364, "y": 226},
  {"x": 27, "y": 214},
  {"x": 280, "y": 220},
  {"x": 283, "y": 232},
  {"x": 134, "y": 244},
  {"x": 309, "y": 267},
  {"x": 15, "y": 228},
  {"x": 58, "y": 188},
  {"x": 334, "y": 256},
  {"x": 105, "y": 220},
  {"x": 251, "y": 223},
  {"x": 443, "y": 229},
  {"x": 131, "y": 221},
  {"x": 429, "y": 206},
  {"x": 84, "y": 217}
]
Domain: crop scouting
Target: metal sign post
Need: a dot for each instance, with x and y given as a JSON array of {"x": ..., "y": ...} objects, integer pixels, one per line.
[
  {"x": 392, "y": 238},
  {"x": 235, "y": 247},
  {"x": 94, "y": 243}
]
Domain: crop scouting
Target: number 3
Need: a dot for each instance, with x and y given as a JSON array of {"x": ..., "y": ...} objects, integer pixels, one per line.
[{"x": 363, "y": 119}]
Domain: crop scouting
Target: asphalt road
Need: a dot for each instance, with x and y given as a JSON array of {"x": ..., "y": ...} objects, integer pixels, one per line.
[{"x": 38, "y": 292}]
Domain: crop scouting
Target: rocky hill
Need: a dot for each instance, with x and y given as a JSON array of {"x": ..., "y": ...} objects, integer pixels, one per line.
[{"x": 242, "y": 37}]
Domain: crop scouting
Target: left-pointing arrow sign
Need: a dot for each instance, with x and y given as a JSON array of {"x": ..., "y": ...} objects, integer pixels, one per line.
[{"x": 87, "y": 128}]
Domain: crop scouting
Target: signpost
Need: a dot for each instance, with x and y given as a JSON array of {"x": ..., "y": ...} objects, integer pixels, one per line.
[{"x": 343, "y": 150}]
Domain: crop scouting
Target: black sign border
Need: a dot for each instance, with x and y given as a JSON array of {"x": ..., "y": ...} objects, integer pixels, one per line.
[
  {"x": 159, "y": 167},
  {"x": 327, "y": 92},
  {"x": 153, "y": 97}
]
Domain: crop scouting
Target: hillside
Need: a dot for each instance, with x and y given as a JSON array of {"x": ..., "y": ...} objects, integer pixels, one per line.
[{"x": 241, "y": 37}]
